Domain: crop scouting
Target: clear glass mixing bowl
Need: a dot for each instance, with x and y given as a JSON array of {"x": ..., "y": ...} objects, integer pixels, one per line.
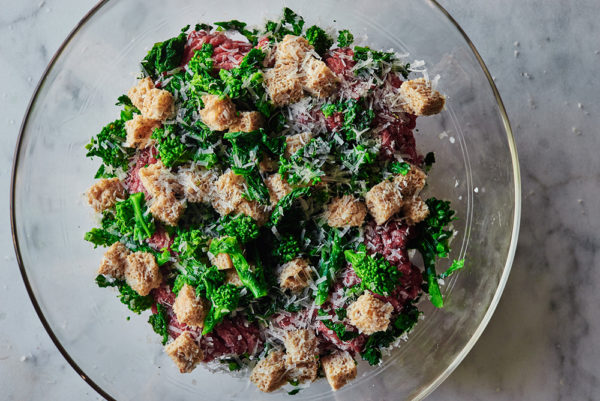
[{"x": 477, "y": 169}]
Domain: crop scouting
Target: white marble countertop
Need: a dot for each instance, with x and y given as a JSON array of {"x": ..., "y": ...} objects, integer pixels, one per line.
[{"x": 543, "y": 343}]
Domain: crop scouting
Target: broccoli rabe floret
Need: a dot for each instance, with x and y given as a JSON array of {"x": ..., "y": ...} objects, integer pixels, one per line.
[
  {"x": 164, "y": 56},
  {"x": 191, "y": 243},
  {"x": 135, "y": 302},
  {"x": 376, "y": 273},
  {"x": 224, "y": 300},
  {"x": 170, "y": 148},
  {"x": 132, "y": 218},
  {"x": 345, "y": 38},
  {"x": 242, "y": 227},
  {"x": 100, "y": 237},
  {"x": 319, "y": 39},
  {"x": 160, "y": 323},
  {"x": 286, "y": 248}
]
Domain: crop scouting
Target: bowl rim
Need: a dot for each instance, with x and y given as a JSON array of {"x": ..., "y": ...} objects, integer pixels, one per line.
[{"x": 429, "y": 388}]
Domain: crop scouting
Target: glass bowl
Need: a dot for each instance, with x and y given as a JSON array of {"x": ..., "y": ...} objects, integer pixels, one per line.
[{"x": 477, "y": 169}]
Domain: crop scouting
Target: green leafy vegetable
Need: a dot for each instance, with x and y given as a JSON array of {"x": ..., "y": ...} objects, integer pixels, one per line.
[
  {"x": 190, "y": 244},
  {"x": 305, "y": 166},
  {"x": 456, "y": 265},
  {"x": 286, "y": 248},
  {"x": 109, "y": 146},
  {"x": 319, "y": 39},
  {"x": 286, "y": 203},
  {"x": 100, "y": 237},
  {"x": 132, "y": 217},
  {"x": 159, "y": 323},
  {"x": 224, "y": 301},
  {"x": 345, "y": 38},
  {"x": 429, "y": 160},
  {"x": 172, "y": 151},
  {"x": 134, "y": 301},
  {"x": 400, "y": 168},
  {"x": 203, "y": 27},
  {"x": 377, "y": 60},
  {"x": 243, "y": 228},
  {"x": 357, "y": 116},
  {"x": 235, "y": 25},
  {"x": 128, "y": 108},
  {"x": 164, "y": 56},
  {"x": 376, "y": 273},
  {"x": 340, "y": 330},
  {"x": 290, "y": 24},
  {"x": 332, "y": 257}
]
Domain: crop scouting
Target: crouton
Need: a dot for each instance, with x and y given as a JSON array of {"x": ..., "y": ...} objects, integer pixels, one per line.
[
  {"x": 218, "y": 113},
  {"x": 415, "y": 211},
  {"x": 253, "y": 209},
  {"x": 197, "y": 184},
  {"x": 303, "y": 372},
  {"x": 295, "y": 142},
  {"x": 295, "y": 275},
  {"x": 159, "y": 180},
  {"x": 339, "y": 368},
  {"x": 248, "y": 121},
  {"x": 137, "y": 94},
  {"x": 141, "y": 272},
  {"x": 383, "y": 201},
  {"x": 269, "y": 373},
  {"x": 167, "y": 209},
  {"x": 320, "y": 81},
  {"x": 222, "y": 261},
  {"x": 301, "y": 346},
  {"x": 105, "y": 193},
  {"x": 139, "y": 131},
  {"x": 185, "y": 352},
  {"x": 189, "y": 308},
  {"x": 346, "y": 211},
  {"x": 419, "y": 98},
  {"x": 114, "y": 261},
  {"x": 292, "y": 50},
  {"x": 283, "y": 84},
  {"x": 232, "y": 277},
  {"x": 412, "y": 183},
  {"x": 278, "y": 187},
  {"x": 370, "y": 314},
  {"x": 158, "y": 105},
  {"x": 228, "y": 192}
]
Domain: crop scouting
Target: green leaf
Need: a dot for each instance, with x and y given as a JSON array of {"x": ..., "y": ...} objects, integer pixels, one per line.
[
  {"x": 160, "y": 323},
  {"x": 345, "y": 38},
  {"x": 456, "y": 265},
  {"x": 164, "y": 56}
]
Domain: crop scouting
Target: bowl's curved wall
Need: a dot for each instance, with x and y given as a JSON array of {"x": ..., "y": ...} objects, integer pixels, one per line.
[{"x": 476, "y": 168}]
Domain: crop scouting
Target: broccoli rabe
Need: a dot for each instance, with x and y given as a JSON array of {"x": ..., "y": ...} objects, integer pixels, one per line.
[
  {"x": 164, "y": 56},
  {"x": 109, "y": 146},
  {"x": 319, "y": 39},
  {"x": 100, "y": 237},
  {"x": 286, "y": 203},
  {"x": 192, "y": 243},
  {"x": 376, "y": 273},
  {"x": 345, "y": 38},
  {"x": 290, "y": 24},
  {"x": 200, "y": 276},
  {"x": 286, "y": 248},
  {"x": 224, "y": 300},
  {"x": 172, "y": 151},
  {"x": 134, "y": 301},
  {"x": 132, "y": 218},
  {"x": 399, "y": 168},
  {"x": 242, "y": 227},
  {"x": 252, "y": 278},
  {"x": 332, "y": 256},
  {"x": 377, "y": 60},
  {"x": 160, "y": 323},
  {"x": 235, "y": 25}
]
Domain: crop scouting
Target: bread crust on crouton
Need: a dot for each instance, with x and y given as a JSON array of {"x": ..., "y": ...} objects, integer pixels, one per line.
[
  {"x": 160, "y": 180},
  {"x": 247, "y": 121},
  {"x": 370, "y": 314},
  {"x": 295, "y": 275},
  {"x": 197, "y": 184},
  {"x": 383, "y": 201},
  {"x": 292, "y": 50},
  {"x": 189, "y": 308},
  {"x": 269, "y": 373},
  {"x": 138, "y": 93},
  {"x": 232, "y": 277},
  {"x": 218, "y": 113},
  {"x": 142, "y": 273},
  {"x": 339, "y": 368},
  {"x": 228, "y": 192},
  {"x": 222, "y": 261},
  {"x": 283, "y": 84},
  {"x": 114, "y": 261},
  {"x": 420, "y": 99},
  {"x": 185, "y": 352},
  {"x": 278, "y": 187},
  {"x": 320, "y": 81},
  {"x": 346, "y": 211},
  {"x": 168, "y": 209},
  {"x": 303, "y": 372},
  {"x": 294, "y": 143},
  {"x": 415, "y": 211},
  {"x": 412, "y": 183},
  {"x": 158, "y": 105},
  {"x": 139, "y": 131},
  {"x": 253, "y": 209},
  {"x": 301, "y": 346},
  {"x": 105, "y": 193}
]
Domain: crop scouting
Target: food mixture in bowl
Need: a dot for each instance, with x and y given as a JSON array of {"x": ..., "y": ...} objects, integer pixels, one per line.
[{"x": 261, "y": 194}]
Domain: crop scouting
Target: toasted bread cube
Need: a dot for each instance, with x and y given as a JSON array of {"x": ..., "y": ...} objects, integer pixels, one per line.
[
  {"x": 105, "y": 193},
  {"x": 383, "y": 201},
  {"x": 292, "y": 50},
  {"x": 197, "y": 184},
  {"x": 283, "y": 84},
  {"x": 415, "y": 211},
  {"x": 269, "y": 373},
  {"x": 253, "y": 209},
  {"x": 185, "y": 352},
  {"x": 138, "y": 93},
  {"x": 412, "y": 183},
  {"x": 301, "y": 346},
  {"x": 278, "y": 187},
  {"x": 303, "y": 372},
  {"x": 189, "y": 308},
  {"x": 222, "y": 261},
  {"x": 295, "y": 275},
  {"x": 320, "y": 81},
  {"x": 339, "y": 369},
  {"x": 114, "y": 261},
  {"x": 141, "y": 272},
  {"x": 232, "y": 277},
  {"x": 346, "y": 211},
  {"x": 420, "y": 99},
  {"x": 218, "y": 113},
  {"x": 229, "y": 189},
  {"x": 248, "y": 121},
  {"x": 370, "y": 314},
  {"x": 168, "y": 209},
  {"x": 158, "y": 105},
  {"x": 296, "y": 142},
  {"x": 139, "y": 131},
  {"x": 160, "y": 180}
]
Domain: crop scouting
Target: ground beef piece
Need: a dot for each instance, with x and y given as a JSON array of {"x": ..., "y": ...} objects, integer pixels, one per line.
[
  {"x": 160, "y": 239},
  {"x": 398, "y": 137},
  {"x": 341, "y": 61},
  {"x": 389, "y": 240},
  {"x": 353, "y": 346},
  {"x": 141, "y": 159},
  {"x": 227, "y": 53}
]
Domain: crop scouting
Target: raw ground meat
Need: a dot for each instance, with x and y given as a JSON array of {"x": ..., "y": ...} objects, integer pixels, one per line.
[
  {"x": 142, "y": 158},
  {"x": 227, "y": 53}
]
